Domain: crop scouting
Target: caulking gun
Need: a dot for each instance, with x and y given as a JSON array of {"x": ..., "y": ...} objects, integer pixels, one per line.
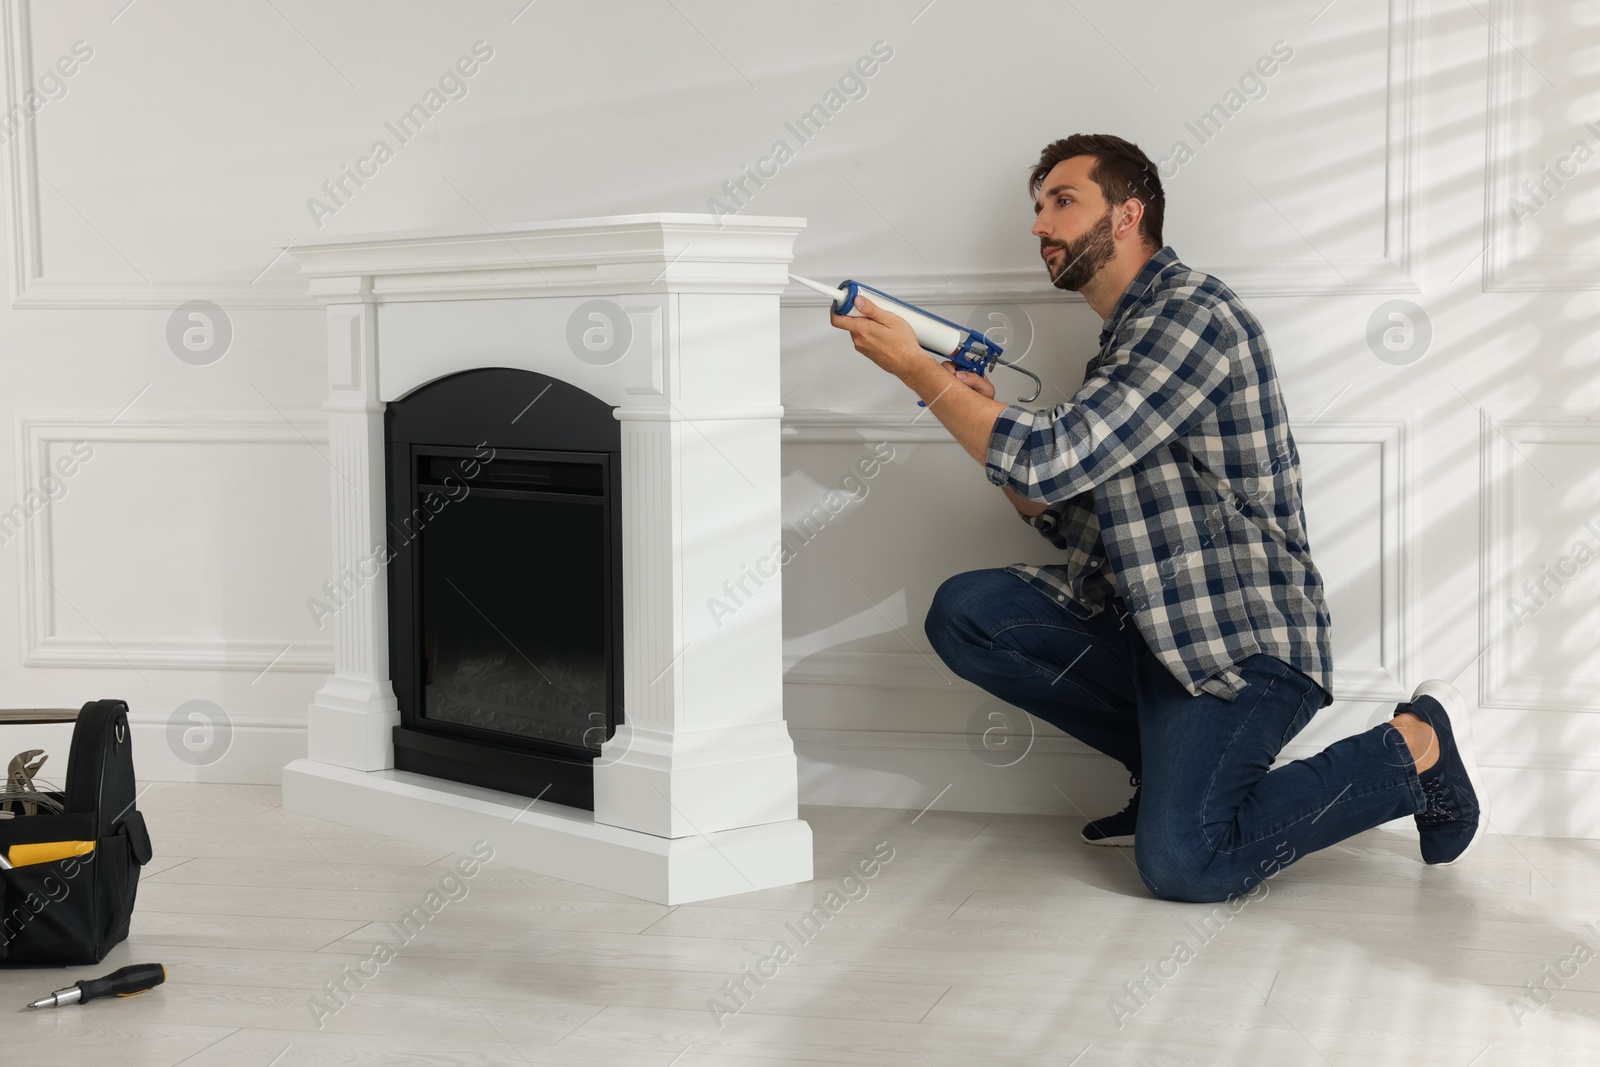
[{"x": 964, "y": 346}]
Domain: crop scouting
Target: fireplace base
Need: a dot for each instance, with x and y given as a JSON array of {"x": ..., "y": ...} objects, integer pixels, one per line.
[{"x": 562, "y": 842}]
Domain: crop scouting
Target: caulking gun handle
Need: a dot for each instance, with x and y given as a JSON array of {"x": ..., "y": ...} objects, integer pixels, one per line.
[{"x": 962, "y": 363}]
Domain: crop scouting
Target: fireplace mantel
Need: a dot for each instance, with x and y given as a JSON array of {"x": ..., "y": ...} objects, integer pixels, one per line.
[{"x": 673, "y": 320}]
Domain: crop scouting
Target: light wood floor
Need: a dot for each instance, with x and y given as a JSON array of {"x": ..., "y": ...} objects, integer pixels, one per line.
[{"x": 986, "y": 939}]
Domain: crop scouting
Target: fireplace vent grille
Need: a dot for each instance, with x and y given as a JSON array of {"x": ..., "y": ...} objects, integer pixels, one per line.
[{"x": 525, "y": 474}]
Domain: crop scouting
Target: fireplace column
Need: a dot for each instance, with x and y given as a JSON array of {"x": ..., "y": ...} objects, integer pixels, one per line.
[
  {"x": 704, "y": 746},
  {"x": 351, "y": 719}
]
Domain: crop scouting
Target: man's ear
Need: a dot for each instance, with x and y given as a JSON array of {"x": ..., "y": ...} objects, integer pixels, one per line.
[{"x": 1132, "y": 213}]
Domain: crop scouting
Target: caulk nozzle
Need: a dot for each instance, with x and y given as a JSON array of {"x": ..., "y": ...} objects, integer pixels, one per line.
[{"x": 835, "y": 295}]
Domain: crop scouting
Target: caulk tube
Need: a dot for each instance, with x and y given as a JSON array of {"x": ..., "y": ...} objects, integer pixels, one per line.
[{"x": 937, "y": 337}]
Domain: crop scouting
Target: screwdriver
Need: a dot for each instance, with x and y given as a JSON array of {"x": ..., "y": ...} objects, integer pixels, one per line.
[{"x": 128, "y": 982}]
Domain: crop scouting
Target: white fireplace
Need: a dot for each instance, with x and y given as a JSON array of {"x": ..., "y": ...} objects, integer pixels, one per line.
[{"x": 673, "y": 320}]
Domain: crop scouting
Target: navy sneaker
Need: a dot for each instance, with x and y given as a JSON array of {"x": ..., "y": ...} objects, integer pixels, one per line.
[
  {"x": 1457, "y": 815},
  {"x": 1116, "y": 829}
]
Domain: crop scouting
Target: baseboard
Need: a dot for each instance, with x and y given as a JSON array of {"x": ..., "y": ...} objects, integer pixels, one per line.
[
  {"x": 1536, "y": 794},
  {"x": 1532, "y": 794},
  {"x": 253, "y": 754},
  {"x": 250, "y": 754}
]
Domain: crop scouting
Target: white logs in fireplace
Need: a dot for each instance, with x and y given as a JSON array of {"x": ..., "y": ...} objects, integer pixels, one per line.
[{"x": 672, "y": 321}]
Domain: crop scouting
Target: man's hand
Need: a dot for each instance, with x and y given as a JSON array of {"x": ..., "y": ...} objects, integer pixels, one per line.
[
  {"x": 881, "y": 336},
  {"x": 976, "y": 382}
]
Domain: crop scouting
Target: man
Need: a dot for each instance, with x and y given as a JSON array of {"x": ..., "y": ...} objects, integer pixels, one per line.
[{"x": 1184, "y": 634}]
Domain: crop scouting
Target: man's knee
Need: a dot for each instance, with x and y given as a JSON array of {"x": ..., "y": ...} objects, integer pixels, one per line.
[
  {"x": 957, "y": 603},
  {"x": 1177, "y": 870}
]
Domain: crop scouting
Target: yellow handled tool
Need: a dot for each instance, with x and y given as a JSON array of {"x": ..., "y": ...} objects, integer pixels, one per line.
[{"x": 48, "y": 852}]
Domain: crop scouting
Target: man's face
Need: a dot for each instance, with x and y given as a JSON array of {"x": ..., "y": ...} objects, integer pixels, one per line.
[{"x": 1073, "y": 224}]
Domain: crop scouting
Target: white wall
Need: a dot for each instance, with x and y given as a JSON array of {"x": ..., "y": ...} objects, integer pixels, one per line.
[{"x": 1375, "y": 164}]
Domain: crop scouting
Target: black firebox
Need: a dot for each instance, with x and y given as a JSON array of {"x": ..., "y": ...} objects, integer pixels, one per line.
[{"x": 505, "y": 582}]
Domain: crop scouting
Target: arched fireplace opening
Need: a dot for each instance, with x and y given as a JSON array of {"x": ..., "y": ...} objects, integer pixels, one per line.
[{"x": 504, "y": 509}]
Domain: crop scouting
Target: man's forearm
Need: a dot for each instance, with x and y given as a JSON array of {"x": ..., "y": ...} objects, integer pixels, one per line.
[{"x": 969, "y": 417}]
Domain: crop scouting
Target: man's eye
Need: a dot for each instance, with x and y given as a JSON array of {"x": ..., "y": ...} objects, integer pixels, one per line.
[{"x": 1062, "y": 201}]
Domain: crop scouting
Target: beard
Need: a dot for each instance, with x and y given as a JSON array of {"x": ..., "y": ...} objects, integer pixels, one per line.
[{"x": 1082, "y": 259}]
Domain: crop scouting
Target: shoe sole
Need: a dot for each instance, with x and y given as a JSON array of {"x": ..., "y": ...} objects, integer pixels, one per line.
[
  {"x": 1114, "y": 842},
  {"x": 1455, "y": 706}
]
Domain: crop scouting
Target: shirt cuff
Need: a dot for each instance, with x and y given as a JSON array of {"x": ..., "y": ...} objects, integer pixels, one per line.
[
  {"x": 1010, "y": 433},
  {"x": 1226, "y": 684},
  {"x": 1045, "y": 522}
]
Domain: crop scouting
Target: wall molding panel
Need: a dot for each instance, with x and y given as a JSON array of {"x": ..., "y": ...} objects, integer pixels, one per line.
[
  {"x": 30, "y": 287},
  {"x": 42, "y": 646},
  {"x": 1505, "y": 270},
  {"x": 1389, "y": 678},
  {"x": 1383, "y": 680},
  {"x": 1392, "y": 272},
  {"x": 1502, "y": 465}
]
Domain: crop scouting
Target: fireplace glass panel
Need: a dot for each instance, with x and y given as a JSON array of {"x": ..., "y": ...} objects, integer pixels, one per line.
[{"x": 513, "y": 599}]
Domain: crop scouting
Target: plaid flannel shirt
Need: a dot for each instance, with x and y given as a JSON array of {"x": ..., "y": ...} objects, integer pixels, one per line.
[{"x": 1173, "y": 482}]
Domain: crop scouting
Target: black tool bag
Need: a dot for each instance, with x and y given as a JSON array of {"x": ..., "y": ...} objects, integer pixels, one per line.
[{"x": 73, "y": 911}]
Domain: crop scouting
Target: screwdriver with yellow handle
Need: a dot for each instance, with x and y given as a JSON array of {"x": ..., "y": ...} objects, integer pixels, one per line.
[
  {"x": 44, "y": 852},
  {"x": 127, "y": 982}
]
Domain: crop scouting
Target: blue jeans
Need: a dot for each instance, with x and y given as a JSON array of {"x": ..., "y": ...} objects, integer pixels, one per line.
[{"x": 1213, "y": 819}]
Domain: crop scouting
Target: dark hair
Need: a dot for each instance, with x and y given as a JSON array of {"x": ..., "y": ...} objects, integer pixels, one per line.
[{"x": 1121, "y": 169}]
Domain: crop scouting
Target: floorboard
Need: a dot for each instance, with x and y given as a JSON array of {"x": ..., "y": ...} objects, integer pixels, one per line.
[{"x": 986, "y": 939}]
